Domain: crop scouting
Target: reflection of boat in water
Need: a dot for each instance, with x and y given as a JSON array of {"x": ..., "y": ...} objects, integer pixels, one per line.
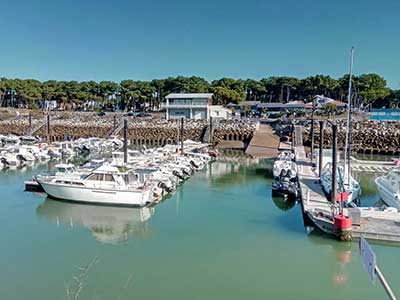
[
  {"x": 340, "y": 251},
  {"x": 284, "y": 202},
  {"x": 108, "y": 224}
]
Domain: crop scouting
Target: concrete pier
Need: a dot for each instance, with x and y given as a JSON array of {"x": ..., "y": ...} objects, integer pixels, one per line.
[{"x": 264, "y": 143}]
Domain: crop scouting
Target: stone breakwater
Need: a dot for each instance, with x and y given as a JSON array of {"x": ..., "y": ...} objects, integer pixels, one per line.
[
  {"x": 366, "y": 137},
  {"x": 140, "y": 131}
]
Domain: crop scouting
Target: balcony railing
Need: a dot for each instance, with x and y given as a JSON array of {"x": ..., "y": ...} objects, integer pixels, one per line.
[{"x": 193, "y": 105}]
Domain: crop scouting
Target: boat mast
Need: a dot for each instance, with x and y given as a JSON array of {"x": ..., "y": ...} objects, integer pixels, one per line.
[{"x": 347, "y": 145}]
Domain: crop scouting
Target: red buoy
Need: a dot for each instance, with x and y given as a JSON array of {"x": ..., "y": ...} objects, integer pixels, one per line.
[
  {"x": 342, "y": 227},
  {"x": 342, "y": 222}
]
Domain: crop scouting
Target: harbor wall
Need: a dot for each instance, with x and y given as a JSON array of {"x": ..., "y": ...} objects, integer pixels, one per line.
[
  {"x": 369, "y": 137},
  {"x": 149, "y": 132}
]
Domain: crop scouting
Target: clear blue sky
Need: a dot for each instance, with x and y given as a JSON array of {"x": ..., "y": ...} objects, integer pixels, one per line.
[{"x": 121, "y": 39}]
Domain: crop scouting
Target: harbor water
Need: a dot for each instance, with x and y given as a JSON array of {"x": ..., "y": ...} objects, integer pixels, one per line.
[{"x": 219, "y": 236}]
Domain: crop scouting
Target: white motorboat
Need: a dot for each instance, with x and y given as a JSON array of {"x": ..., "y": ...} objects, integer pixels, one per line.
[
  {"x": 66, "y": 149},
  {"x": 11, "y": 141},
  {"x": 105, "y": 185},
  {"x": 389, "y": 188},
  {"x": 285, "y": 168},
  {"x": 9, "y": 159},
  {"x": 26, "y": 153},
  {"x": 352, "y": 187},
  {"x": 286, "y": 155},
  {"x": 54, "y": 151}
]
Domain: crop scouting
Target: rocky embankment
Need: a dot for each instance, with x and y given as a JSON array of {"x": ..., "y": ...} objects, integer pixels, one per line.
[
  {"x": 366, "y": 136},
  {"x": 141, "y": 131}
]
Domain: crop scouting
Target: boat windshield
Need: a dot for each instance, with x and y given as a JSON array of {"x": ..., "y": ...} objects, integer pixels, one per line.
[{"x": 130, "y": 178}]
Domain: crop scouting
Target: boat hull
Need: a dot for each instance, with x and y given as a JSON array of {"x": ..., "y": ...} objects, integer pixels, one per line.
[
  {"x": 96, "y": 196},
  {"x": 388, "y": 196}
]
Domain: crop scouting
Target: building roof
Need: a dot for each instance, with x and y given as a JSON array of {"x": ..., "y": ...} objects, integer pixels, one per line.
[
  {"x": 189, "y": 95},
  {"x": 338, "y": 104},
  {"x": 271, "y": 105},
  {"x": 295, "y": 104},
  {"x": 249, "y": 103}
]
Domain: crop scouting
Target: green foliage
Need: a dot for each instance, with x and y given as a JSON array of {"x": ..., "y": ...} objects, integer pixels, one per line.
[
  {"x": 132, "y": 94},
  {"x": 330, "y": 108},
  {"x": 372, "y": 87}
]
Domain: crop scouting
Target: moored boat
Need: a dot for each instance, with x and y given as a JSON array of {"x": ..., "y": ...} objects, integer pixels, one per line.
[
  {"x": 105, "y": 185},
  {"x": 389, "y": 188}
]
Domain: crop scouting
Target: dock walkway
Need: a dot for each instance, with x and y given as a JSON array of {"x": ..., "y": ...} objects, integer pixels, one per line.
[{"x": 380, "y": 226}]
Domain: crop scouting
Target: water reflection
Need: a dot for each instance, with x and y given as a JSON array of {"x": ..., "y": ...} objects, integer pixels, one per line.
[
  {"x": 340, "y": 251},
  {"x": 284, "y": 203},
  {"x": 108, "y": 224},
  {"x": 228, "y": 171}
]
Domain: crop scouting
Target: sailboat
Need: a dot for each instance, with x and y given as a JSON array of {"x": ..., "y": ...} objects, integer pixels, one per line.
[{"x": 346, "y": 182}]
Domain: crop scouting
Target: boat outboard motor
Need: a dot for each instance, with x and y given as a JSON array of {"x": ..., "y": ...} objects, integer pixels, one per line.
[
  {"x": 187, "y": 171},
  {"x": 5, "y": 162},
  {"x": 178, "y": 175},
  {"x": 194, "y": 164},
  {"x": 283, "y": 173},
  {"x": 164, "y": 187},
  {"x": 21, "y": 157}
]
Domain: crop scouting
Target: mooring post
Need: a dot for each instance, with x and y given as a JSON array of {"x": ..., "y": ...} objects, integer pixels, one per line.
[
  {"x": 125, "y": 141},
  {"x": 211, "y": 132},
  {"x": 321, "y": 147},
  {"x": 181, "y": 135},
  {"x": 178, "y": 138},
  {"x": 48, "y": 127},
  {"x": 292, "y": 137},
  {"x": 334, "y": 163},
  {"x": 312, "y": 131},
  {"x": 30, "y": 123}
]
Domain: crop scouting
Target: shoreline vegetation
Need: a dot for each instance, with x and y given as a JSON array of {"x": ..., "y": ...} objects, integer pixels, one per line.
[{"x": 368, "y": 89}]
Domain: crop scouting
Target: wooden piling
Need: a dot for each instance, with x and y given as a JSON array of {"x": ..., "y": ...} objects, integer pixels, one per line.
[
  {"x": 30, "y": 123},
  {"x": 321, "y": 146},
  {"x": 312, "y": 131},
  {"x": 211, "y": 131},
  {"x": 125, "y": 141},
  {"x": 181, "y": 135},
  {"x": 48, "y": 127},
  {"x": 334, "y": 162}
]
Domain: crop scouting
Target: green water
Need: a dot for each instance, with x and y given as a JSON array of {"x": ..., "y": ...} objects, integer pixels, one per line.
[{"x": 219, "y": 236}]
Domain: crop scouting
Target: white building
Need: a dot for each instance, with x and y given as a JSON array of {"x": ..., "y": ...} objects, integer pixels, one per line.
[
  {"x": 321, "y": 101},
  {"x": 220, "y": 112},
  {"x": 188, "y": 105}
]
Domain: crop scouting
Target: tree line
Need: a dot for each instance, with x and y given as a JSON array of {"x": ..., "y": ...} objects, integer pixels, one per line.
[{"x": 127, "y": 94}]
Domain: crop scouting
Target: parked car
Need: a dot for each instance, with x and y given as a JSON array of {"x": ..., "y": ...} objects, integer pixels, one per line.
[{"x": 144, "y": 115}]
